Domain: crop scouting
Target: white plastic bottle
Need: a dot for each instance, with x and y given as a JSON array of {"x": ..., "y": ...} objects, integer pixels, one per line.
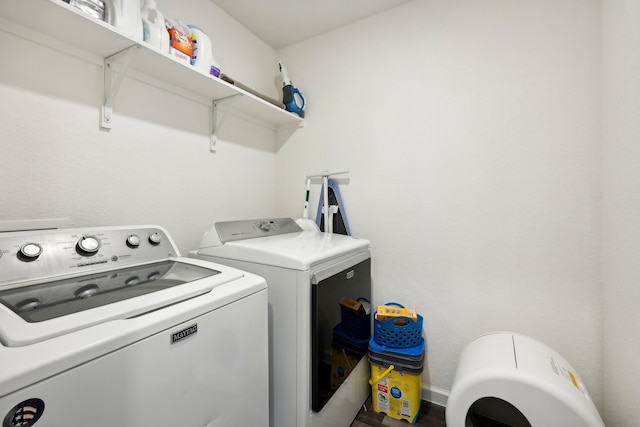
[
  {"x": 155, "y": 32},
  {"x": 125, "y": 16},
  {"x": 202, "y": 53}
]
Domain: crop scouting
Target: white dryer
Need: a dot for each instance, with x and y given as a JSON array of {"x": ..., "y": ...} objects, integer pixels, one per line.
[
  {"x": 109, "y": 327},
  {"x": 307, "y": 273}
]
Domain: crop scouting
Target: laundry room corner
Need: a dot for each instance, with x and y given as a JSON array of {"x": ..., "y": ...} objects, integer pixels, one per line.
[
  {"x": 460, "y": 171},
  {"x": 473, "y": 151},
  {"x": 621, "y": 202}
]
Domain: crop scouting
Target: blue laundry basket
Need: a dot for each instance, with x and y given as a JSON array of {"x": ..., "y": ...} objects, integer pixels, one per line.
[{"x": 398, "y": 332}]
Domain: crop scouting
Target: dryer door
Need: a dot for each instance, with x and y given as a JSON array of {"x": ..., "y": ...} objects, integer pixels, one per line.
[{"x": 337, "y": 339}]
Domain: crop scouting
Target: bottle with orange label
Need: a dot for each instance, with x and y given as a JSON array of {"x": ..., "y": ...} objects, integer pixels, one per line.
[{"x": 181, "y": 45}]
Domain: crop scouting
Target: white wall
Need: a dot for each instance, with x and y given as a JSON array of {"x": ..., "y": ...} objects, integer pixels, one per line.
[
  {"x": 472, "y": 132},
  {"x": 621, "y": 249},
  {"x": 154, "y": 166}
]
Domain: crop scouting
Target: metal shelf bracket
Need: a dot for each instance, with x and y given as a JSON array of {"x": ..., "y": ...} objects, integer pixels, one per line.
[
  {"x": 215, "y": 125},
  {"x": 111, "y": 86}
]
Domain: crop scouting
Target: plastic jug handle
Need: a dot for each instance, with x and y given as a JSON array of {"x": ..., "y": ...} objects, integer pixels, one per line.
[
  {"x": 384, "y": 374},
  {"x": 297, "y": 92},
  {"x": 396, "y": 304}
]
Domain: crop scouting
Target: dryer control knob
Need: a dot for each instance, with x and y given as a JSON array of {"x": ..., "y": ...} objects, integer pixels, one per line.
[
  {"x": 155, "y": 238},
  {"x": 30, "y": 251},
  {"x": 266, "y": 225},
  {"x": 88, "y": 245},
  {"x": 133, "y": 241}
]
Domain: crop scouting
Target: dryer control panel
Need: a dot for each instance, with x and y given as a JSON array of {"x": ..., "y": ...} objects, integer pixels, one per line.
[{"x": 251, "y": 229}]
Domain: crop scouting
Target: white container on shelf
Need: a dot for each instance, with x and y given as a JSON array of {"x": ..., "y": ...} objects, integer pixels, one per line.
[
  {"x": 125, "y": 16},
  {"x": 202, "y": 51},
  {"x": 155, "y": 31},
  {"x": 94, "y": 8}
]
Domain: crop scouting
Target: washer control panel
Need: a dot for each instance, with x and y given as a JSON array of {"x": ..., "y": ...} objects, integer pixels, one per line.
[{"x": 31, "y": 255}]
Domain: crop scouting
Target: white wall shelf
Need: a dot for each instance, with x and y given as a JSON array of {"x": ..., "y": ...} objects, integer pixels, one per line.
[{"x": 59, "y": 21}]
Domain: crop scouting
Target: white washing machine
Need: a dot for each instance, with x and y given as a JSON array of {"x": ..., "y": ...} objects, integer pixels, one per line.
[
  {"x": 109, "y": 327},
  {"x": 307, "y": 273}
]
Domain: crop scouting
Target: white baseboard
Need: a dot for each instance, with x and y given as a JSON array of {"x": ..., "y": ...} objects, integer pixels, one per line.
[{"x": 435, "y": 395}]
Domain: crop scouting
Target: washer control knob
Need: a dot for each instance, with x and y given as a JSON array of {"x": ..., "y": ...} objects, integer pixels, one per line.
[
  {"x": 155, "y": 238},
  {"x": 88, "y": 245},
  {"x": 133, "y": 241},
  {"x": 30, "y": 251}
]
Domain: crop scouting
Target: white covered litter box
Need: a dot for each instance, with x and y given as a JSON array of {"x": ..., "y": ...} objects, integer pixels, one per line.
[{"x": 506, "y": 379}]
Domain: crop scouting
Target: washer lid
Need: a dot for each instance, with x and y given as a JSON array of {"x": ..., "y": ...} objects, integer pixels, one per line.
[
  {"x": 297, "y": 251},
  {"x": 37, "y": 312}
]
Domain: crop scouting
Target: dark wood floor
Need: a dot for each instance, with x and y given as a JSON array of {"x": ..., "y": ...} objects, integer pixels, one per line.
[{"x": 431, "y": 416}]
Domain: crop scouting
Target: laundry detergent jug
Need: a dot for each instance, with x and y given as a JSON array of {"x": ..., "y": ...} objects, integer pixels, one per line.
[
  {"x": 155, "y": 31},
  {"x": 202, "y": 56},
  {"x": 125, "y": 16}
]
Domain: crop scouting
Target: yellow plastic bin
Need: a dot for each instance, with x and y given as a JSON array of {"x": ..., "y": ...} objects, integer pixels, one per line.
[{"x": 396, "y": 382}]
